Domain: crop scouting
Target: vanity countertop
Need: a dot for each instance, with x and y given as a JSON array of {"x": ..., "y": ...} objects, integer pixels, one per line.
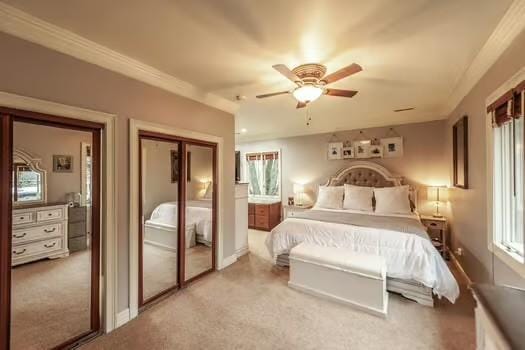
[{"x": 263, "y": 201}]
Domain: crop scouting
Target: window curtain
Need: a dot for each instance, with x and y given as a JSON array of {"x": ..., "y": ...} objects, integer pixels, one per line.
[
  {"x": 507, "y": 115},
  {"x": 263, "y": 174}
]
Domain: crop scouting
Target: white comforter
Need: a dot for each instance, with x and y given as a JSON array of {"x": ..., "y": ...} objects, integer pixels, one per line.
[
  {"x": 198, "y": 213},
  {"x": 408, "y": 256}
]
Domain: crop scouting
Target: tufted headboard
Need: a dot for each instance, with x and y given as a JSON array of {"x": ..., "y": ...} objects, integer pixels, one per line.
[{"x": 368, "y": 174}]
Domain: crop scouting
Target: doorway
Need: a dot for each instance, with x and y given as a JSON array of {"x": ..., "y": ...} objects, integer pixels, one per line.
[
  {"x": 50, "y": 270},
  {"x": 177, "y": 213}
]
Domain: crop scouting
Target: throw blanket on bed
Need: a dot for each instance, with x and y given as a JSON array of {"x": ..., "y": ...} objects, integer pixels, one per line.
[
  {"x": 392, "y": 223},
  {"x": 408, "y": 256}
]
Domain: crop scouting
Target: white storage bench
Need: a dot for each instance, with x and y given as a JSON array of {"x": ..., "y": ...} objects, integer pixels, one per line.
[{"x": 342, "y": 275}]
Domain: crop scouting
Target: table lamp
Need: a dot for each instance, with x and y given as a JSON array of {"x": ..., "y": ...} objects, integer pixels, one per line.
[
  {"x": 298, "y": 190},
  {"x": 438, "y": 194}
]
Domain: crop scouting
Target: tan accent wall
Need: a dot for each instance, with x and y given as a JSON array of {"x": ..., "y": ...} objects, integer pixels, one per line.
[
  {"x": 304, "y": 158},
  {"x": 31, "y": 70},
  {"x": 468, "y": 207},
  {"x": 43, "y": 142}
]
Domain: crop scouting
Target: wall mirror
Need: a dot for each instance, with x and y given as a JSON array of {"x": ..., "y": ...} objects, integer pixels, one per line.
[
  {"x": 29, "y": 179},
  {"x": 460, "y": 152}
]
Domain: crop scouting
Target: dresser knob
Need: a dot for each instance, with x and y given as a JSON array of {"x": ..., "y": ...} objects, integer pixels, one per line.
[
  {"x": 50, "y": 245},
  {"x": 20, "y": 252},
  {"x": 20, "y": 236},
  {"x": 49, "y": 231}
]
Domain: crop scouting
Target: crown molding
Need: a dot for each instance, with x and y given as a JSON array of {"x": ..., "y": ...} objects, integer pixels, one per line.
[
  {"x": 25, "y": 26},
  {"x": 510, "y": 26}
]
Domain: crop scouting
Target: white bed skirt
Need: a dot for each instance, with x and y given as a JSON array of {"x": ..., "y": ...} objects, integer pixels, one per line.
[{"x": 165, "y": 236}]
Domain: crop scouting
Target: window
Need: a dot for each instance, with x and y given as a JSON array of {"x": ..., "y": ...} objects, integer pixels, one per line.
[
  {"x": 508, "y": 171},
  {"x": 263, "y": 174}
]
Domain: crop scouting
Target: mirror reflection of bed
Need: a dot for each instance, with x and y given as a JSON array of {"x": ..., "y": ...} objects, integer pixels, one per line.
[{"x": 160, "y": 183}]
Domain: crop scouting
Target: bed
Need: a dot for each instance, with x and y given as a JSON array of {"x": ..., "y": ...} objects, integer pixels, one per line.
[
  {"x": 415, "y": 269},
  {"x": 161, "y": 229}
]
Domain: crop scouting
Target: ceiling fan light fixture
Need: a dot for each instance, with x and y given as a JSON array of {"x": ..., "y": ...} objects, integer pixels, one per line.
[{"x": 307, "y": 93}]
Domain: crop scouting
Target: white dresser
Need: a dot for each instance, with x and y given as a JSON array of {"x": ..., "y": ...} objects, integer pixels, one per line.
[{"x": 39, "y": 232}]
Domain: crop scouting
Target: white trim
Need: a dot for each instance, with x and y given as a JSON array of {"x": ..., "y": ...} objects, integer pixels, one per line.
[
  {"x": 109, "y": 278},
  {"x": 134, "y": 127},
  {"x": 514, "y": 262},
  {"x": 122, "y": 318},
  {"x": 25, "y": 26},
  {"x": 460, "y": 268},
  {"x": 225, "y": 262},
  {"x": 510, "y": 26},
  {"x": 241, "y": 252}
]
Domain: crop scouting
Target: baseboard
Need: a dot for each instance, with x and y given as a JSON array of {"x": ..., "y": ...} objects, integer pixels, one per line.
[
  {"x": 460, "y": 268},
  {"x": 122, "y": 318},
  {"x": 242, "y": 251},
  {"x": 227, "y": 261}
]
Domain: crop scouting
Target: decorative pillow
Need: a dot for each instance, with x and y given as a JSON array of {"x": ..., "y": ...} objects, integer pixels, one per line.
[
  {"x": 358, "y": 198},
  {"x": 392, "y": 200},
  {"x": 330, "y": 197}
]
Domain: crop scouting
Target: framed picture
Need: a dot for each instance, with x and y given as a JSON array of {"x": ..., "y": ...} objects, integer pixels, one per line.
[
  {"x": 392, "y": 147},
  {"x": 290, "y": 201},
  {"x": 174, "y": 158},
  {"x": 348, "y": 152},
  {"x": 362, "y": 149},
  {"x": 460, "y": 152},
  {"x": 62, "y": 164},
  {"x": 335, "y": 150},
  {"x": 376, "y": 151}
]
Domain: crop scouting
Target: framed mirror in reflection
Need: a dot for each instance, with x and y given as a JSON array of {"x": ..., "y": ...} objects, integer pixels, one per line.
[{"x": 29, "y": 179}]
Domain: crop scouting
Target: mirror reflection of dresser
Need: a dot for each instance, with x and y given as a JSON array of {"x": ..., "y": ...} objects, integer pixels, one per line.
[{"x": 39, "y": 229}]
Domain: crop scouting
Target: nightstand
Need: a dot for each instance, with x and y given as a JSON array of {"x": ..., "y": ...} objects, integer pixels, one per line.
[
  {"x": 290, "y": 210},
  {"x": 437, "y": 225}
]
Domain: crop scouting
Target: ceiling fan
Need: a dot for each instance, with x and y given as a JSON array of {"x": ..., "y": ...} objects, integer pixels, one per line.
[{"x": 311, "y": 81}]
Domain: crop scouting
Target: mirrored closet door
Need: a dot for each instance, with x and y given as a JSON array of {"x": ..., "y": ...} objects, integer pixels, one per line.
[
  {"x": 160, "y": 164},
  {"x": 50, "y": 263},
  {"x": 199, "y": 213},
  {"x": 178, "y": 200}
]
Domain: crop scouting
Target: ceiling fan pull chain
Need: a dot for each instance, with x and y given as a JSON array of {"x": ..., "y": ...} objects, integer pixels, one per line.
[{"x": 308, "y": 118}]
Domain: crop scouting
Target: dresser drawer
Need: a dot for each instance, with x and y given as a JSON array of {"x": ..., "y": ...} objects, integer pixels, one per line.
[
  {"x": 34, "y": 233},
  {"x": 251, "y": 208},
  {"x": 50, "y": 214},
  {"x": 262, "y": 222},
  {"x": 22, "y": 218},
  {"x": 36, "y": 248},
  {"x": 261, "y": 210},
  {"x": 435, "y": 224}
]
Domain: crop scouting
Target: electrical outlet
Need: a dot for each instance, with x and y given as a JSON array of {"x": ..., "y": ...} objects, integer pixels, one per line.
[{"x": 459, "y": 252}]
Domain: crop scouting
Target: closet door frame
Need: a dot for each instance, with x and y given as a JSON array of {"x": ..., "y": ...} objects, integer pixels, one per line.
[
  {"x": 9, "y": 116},
  {"x": 181, "y": 246}
]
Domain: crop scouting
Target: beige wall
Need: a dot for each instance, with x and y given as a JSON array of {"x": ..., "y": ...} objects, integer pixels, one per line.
[
  {"x": 43, "y": 142},
  {"x": 30, "y": 70},
  {"x": 468, "y": 207},
  {"x": 304, "y": 157}
]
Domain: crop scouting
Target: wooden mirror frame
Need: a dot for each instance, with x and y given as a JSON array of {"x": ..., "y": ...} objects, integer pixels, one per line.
[{"x": 462, "y": 122}]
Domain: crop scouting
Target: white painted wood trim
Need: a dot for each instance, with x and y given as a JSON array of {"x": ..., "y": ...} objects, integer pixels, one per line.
[
  {"x": 460, "y": 268},
  {"x": 509, "y": 27},
  {"x": 25, "y": 26},
  {"x": 109, "y": 247},
  {"x": 122, "y": 318},
  {"x": 515, "y": 262},
  {"x": 134, "y": 127}
]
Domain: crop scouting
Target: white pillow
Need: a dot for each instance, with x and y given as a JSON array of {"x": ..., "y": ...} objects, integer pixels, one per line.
[
  {"x": 392, "y": 200},
  {"x": 358, "y": 198},
  {"x": 330, "y": 197}
]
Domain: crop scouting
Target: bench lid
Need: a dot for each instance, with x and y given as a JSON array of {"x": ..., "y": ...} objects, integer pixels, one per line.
[{"x": 344, "y": 258}]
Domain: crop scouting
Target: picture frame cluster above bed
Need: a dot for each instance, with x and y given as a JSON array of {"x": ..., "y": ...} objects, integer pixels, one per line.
[{"x": 390, "y": 147}]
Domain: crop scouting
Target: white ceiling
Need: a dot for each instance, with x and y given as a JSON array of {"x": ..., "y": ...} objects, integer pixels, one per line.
[{"x": 413, "y": 52}]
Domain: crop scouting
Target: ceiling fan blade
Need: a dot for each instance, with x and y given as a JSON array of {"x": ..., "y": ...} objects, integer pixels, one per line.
[
  {"x": 301, "y": 104},
  {"x": 342, "y": 73},
  {"x": 281, "y": 68},
  {"x": 272, "y": 94},
  {"x": 341, "y": 93}
]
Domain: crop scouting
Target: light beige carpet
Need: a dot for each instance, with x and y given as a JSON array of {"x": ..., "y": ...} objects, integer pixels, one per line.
[
  {"x": 160, "y": 267},
  {"x": 249, "y": 306},
  {"x": 50, "y": 301}
]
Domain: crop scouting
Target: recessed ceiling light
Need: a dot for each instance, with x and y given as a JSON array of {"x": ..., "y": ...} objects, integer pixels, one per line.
[{"x": 243, "y": 130}]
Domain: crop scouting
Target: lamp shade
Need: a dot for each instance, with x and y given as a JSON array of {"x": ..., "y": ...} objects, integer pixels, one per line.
[
  {"x": 298, "y": 188},
  {"x": 437, "y": 194}
]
